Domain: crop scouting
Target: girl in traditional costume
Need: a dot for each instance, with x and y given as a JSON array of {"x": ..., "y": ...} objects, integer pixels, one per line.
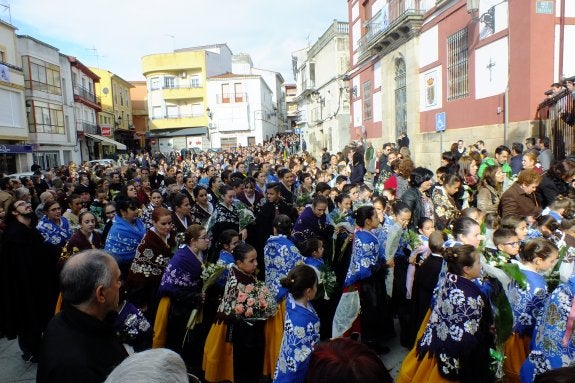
[
  {"x": 126, "y": 233},
  {"x": 156, "y": 200},
  {"x": 553, "y": 345},
  {"x": 182, "y": 284},
  {"x": 202, "y": 209},
  {"x": 54, "y": 228},
  {"x": 455, "y": 344},
  {"x": 527, "y": 303},
  {"x": 152, "y": 257},
  {"x": 301, "y": 330},
  {"x": 364, "y": 284},
  {"x": 280, "y": 256}
]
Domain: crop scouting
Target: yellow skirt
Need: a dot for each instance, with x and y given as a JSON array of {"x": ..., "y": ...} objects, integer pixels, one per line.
[
  {"x": 218, "y": 362},
  {"x": 274, "y": 331},
  {"x": 58, "y": 304},
  {"x": 516, "y": 351},
  {"x": 425, "y": 370},
  {"x": 410, "y": 362},
  {"x": 161, "y": 323}
]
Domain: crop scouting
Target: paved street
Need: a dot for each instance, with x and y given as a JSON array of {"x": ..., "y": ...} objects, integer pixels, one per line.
[{"x": 14, "y": 369}]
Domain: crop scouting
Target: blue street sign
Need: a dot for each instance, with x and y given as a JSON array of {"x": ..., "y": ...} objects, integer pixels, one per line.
[{"x": 440, "y": 122}]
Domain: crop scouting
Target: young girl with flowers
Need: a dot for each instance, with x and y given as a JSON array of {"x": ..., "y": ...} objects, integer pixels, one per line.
[
  {"x": 527, "y": 303},
  {"x": 234, "y": 349},
  {"x": 301, "y": 331}
]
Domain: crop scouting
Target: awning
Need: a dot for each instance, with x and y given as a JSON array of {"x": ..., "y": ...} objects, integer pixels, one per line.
[
  {"x": 107, "y": 141},
  {"x": 197, "y": 131}
]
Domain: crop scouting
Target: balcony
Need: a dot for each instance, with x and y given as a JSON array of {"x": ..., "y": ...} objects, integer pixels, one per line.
[
  {"x": 231, "y": 98},
  {"x": 178, "y": 121},
  {"x": 556, "y": 119},
  {"x": 86, "y": 97},
  {"x": 87, "y": 127},
  {"x": 181, "y": 92},
  {"x": 391, "y": 27}
]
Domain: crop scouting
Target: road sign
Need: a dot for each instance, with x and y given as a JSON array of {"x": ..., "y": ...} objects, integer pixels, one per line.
[
  {"x": 544, "y": 7},
  {"x": 440, "y": 122}
]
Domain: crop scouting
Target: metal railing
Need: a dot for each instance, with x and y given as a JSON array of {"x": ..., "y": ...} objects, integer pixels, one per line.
[
  {"x": 231, "y": 98},
  {"x": 556, "y": 119},
  {"x": 85, "y": 93},
  {"x": 181, "y": 115},
  {"x": 177, "y": 86},
  {"x": 383, "y": 20}
]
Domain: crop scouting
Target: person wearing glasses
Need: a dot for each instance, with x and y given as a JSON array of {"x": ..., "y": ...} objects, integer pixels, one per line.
[
  {"x": 53, "y": 226},
  {"x": 126, "y": 233},
  {"x": 152, "y": 256},
  {"x": 27, "y": 279},
  {"x": 181, "y": 292}
]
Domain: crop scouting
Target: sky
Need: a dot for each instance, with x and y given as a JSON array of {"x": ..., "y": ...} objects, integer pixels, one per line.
[{"x": 115, "y": 34}]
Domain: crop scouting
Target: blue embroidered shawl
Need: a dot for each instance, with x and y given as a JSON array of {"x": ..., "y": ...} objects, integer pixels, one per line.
[
  {"x": 454, "y": 328},
  {"x": 54, "y": 234},
  {"x": 280, "y": 256},
  {"x": 547, "y": 351},
  {"x": 182, "y": 275},
  {"x": 124, "y": 238},
  {"x": 366, "y": 254},
  {"x": 301, "y": 333},
  {"x": 224, "y": 259},
  {"x": 527, "y": 304}
]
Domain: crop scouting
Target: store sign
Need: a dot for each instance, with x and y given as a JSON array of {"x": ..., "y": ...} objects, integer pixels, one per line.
[
  {"x": 544, "y": 7},
  {"x": 106, "y": 131},
  {"x": 13, "y": 149}
]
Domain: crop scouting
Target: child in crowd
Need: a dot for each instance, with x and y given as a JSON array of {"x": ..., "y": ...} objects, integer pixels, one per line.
[
  {"x": 297, "y": 345},
  {"x": 418, "y": 255},
  {"x": 558, "y": 207},
  {"x": 462, "y": 352},
  {"x": 97, "y": 208},
  {"x": 527, "y": 303},
  {"x": 228, "y": 241},
  {"x": 516, "y": 223},
  {"x": 491, "y": 223}
]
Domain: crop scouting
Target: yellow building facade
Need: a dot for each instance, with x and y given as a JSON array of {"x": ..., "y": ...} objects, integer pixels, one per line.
[{"x": 177, "y": 93}]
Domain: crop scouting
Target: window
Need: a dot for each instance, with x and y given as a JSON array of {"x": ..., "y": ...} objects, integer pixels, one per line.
[
  {"x": 48, "y": 118},
  {"x": 457, "y": 65},
  {"x": 43, "y": 76},
  {"x": 312, "y": 75},
  {"x": 238, "y": 90},
  {"x": 154, "y": 83},
  {"x": 226, "y": 93},
  {"x": 169, "y": 82},
  {"x": 400, "y": 97},
  {"x": 366, "y": 95},
  {"x": 195, "y": 82},
  {"x": 227, "y": 143},
  {"x": 2, "y": 57}
]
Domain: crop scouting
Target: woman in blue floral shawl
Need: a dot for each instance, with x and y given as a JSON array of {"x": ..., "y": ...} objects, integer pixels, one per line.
[
  {"x": 280, "y": 256},
  {"x": 126, "y": 233},
  {"x": 182, "y": 283},
  {"x": 301, "y": 326},
  {"x": 527, "y": 303},
  {"x": 456, "y": 342},
  {"x": 54, "y": 228},
  {"x": 553, "y": 344}
]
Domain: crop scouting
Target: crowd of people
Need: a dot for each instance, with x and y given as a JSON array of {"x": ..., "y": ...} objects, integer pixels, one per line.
[{"x": 264, "y": 263}]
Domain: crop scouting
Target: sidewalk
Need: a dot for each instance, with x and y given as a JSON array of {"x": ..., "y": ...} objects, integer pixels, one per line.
[{"x": 14, "y": 369}]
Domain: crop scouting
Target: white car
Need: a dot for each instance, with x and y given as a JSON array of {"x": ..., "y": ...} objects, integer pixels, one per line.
[
  {"x": 104, "y": 162},
  {"x": 21, "y": 175}
]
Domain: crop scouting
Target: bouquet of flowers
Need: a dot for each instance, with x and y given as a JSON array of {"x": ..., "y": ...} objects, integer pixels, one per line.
[
  {"x": 327, "y": 282},
  {"x": 341, "y": 221},
  {"x": 566, "y": 254},
  {"x": 210, "y": 274},
  {"x": 246, "y": 215},
  {"x": 254, "y": 302}
]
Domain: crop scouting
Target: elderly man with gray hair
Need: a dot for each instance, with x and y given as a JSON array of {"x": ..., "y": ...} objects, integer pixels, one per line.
[{"x": 79, "y": 344}]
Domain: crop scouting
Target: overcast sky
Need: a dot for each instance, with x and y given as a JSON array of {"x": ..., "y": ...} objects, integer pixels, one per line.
[{"x": 115, "y": 34}]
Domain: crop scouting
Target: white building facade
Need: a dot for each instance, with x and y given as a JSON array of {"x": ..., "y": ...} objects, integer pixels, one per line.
[
  {"x": 322, "y": 90},
  {"x": 15, "y": 150}
]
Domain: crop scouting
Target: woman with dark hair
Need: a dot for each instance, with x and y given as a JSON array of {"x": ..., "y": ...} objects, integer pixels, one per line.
[
  {"x": 455, "y": 344},
  {"x": 365, "y": 279},
  {"x": 313, "y": 222},
  {"x": 449, "y": 161},
  {"x": 181, "y": 218},
  {"x": 126, "y": 233},
  {"x": 467, "y": 171},
  {"x": 445, "y": 208},
  {"x": 342, "y": 360},
  {"x": 152, "y": 256},
  {"x": 357, "y": 169},
  {"x": 490, "y": 189},
  {"x": 85, "y": 238},
  {"x": 250, "y": 196},
  {"x": 213, "y": 189},
  {"x": 202, "y": 209},
  {"x": 415, "y": 198},
  {"x": 557, "y": 181},
  {"x": 156, "y": 200},
  {"x": 53, "y": 226},
  {"x": 225, "y": 216}
]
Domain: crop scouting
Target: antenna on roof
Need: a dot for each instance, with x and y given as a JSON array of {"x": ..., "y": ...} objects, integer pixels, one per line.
[
  {"x": 96, "y": 55},
  {"x": 5, "y": 8}
]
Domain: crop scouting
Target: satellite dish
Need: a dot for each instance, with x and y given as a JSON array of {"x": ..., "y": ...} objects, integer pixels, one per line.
[{"x": 105, "y": 90}]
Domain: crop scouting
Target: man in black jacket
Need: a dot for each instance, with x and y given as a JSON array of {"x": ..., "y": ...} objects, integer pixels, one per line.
[{"x": 80, "y": 344}]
